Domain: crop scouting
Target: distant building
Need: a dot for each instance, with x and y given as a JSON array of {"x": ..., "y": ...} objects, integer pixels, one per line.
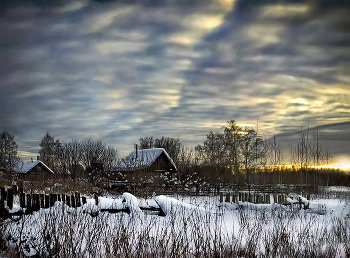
[{"x": 148, "y": 160}]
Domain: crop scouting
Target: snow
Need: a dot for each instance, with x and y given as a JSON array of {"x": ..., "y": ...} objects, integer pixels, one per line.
[
  {"x": 170, "y": 206},
  {"x": 192, "y": 222},
  {"x": 132, "y": 203}
]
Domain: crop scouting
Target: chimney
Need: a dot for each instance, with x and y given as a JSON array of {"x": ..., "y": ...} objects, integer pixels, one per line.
[
  {"x": 38, "y": 157},
  {"x": 31, "y": 159}
]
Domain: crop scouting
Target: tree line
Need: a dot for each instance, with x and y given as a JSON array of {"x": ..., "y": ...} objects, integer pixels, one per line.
[{"x": 233, "y": 154}]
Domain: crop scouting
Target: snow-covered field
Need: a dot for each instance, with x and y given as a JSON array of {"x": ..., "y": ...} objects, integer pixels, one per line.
[{"x": 189, "y": 227}]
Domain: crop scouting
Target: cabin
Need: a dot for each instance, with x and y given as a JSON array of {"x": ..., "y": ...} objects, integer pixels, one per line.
[
  {"x": 35, "y": 168},
  {"x": 145, "y": 165},
  {"x": 148, "y": 160}
]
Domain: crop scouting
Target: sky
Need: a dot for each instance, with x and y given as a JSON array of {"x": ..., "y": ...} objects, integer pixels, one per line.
[{"x": 120, "y": 70}]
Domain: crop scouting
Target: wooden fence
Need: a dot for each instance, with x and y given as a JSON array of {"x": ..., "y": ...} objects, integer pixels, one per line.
[
  {"x": 253, "y": 197},
  {"x": 30, "y": 202}
]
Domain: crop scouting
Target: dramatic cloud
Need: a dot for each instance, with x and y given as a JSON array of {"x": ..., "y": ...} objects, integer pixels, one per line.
[{"x": 120, "y": 70}]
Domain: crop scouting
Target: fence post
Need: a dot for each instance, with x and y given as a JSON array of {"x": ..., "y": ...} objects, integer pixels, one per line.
[
  {"x": 77, "y": 199},
  {"x": 22, "y": 200},
  {"x": 42, "y": 200},
  {"x": 36, "y": 202},
  {"x": 3, "y": 193},
  {"x": 96, "y": 199},
  {"x": 53, "y": 199},
  {"x": 47, "y": 201},
  {"x": 73, "y": 201},
  {"x": 2, "y": 202},
  {"x": 68, "y": 200},
  {"x": 10, "y": 198},
  {"x": 29, "y": 204},
  {"x": 227, "y": 197}
]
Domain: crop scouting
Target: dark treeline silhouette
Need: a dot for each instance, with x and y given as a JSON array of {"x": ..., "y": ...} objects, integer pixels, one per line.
[
  {"x": 235, "y": 155},
  {"x": 76, "y": 157}
]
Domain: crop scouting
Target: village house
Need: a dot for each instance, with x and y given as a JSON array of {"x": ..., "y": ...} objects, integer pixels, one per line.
[
  {"x": 144, "y": 165},
  {"x": 148, "y": 160},
  {"x": 35, "y": 168}
]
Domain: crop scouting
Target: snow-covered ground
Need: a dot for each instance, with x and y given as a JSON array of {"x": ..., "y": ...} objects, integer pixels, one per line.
[{"x": 190, "y": 227}]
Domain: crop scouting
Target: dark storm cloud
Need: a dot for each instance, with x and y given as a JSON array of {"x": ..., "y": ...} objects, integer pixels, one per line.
[{"x": 120, "y": 70}]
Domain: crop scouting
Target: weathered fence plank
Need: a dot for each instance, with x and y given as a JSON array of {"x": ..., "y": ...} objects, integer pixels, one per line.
[
  {"x": 68, "y": 201},
  {"x": 3, "y": 194},
  {"x": 29, "y": 204},
  {"x": 77, "y": 199},
  {"x": 10, "y": 198},
  {"x": 47, "y": 201},
  {"x": 73, "y": 202},
  {"x": 42, "y": 200}
]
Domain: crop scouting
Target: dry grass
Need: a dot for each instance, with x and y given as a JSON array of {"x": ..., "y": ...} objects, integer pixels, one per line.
[{"x": 61, "y": 232}]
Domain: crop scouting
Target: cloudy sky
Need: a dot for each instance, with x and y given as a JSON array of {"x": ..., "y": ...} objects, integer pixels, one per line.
[{"x": 121, "y": 70}]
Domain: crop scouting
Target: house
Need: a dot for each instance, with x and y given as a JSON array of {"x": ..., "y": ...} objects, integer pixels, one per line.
[
  {"x": 35, "y": 168},
  {"x": 148, "y": 160}
]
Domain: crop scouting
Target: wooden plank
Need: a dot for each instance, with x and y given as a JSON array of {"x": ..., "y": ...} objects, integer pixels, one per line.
[{"x": 10, "y": 198}]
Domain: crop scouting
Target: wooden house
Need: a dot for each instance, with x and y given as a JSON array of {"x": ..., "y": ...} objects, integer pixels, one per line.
[
  {"x": 35, "y": 168},
  {"x": 148, "y": 160}
]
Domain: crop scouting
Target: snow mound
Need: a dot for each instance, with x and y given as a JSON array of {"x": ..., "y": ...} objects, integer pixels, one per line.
[
  {"x": 170, "y": 206},
  {"x": 132, "y": 203}
]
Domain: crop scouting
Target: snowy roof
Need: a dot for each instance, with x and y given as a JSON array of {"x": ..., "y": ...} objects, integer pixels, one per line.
[
  {"x": 30, "y": 164},
  {"x": 143, "y": 158}
]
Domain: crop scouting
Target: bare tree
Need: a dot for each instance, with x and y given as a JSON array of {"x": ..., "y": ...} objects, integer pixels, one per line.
[
  {"x": 233, "y": 142},
  {"x": 146, "y": 142},
  {"x": 49, "y": 152},
  {"x": 8, "y": 152},
  {"x": 275, "y": 153}
]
